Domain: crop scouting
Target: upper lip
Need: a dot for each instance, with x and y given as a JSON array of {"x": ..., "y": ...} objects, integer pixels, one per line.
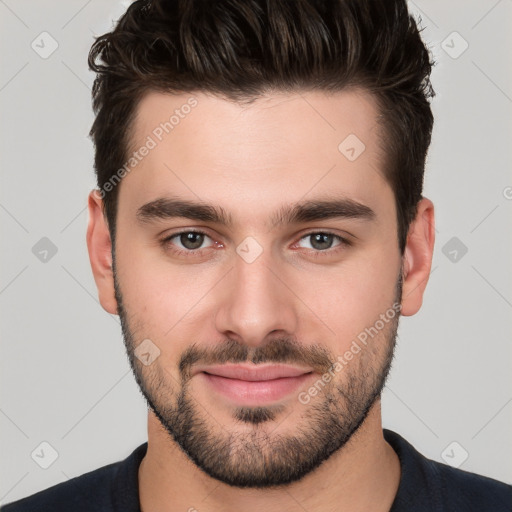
[{"x": 253, "y": 372}]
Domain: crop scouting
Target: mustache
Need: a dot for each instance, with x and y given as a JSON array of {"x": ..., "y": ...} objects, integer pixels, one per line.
[{"x": 278, "y": 350}]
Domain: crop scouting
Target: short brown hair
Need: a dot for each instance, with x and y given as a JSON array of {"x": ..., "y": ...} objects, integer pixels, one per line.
[{"x": 240, "y": 49}]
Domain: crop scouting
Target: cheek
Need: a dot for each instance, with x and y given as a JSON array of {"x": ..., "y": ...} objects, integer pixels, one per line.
[
  {"x": 356, "y": 294},
  {"x": 163, "y": 299}
]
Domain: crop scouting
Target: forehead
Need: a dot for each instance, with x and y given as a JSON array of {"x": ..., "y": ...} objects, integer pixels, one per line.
[{"x": 280, "y": 148}]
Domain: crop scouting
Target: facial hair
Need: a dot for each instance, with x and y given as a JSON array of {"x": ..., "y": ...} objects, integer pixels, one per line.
[{"x": 263, "y": 458}]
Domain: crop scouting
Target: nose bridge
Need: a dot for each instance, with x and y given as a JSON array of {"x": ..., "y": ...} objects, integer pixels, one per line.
[{"x": 256, "y": 301}]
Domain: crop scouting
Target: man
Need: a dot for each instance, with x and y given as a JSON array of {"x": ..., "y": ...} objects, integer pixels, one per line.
[{"x": 259, "y": 228}]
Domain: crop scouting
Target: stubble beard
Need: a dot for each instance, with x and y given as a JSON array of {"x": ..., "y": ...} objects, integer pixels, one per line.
[{"x": 265, "y": 455}]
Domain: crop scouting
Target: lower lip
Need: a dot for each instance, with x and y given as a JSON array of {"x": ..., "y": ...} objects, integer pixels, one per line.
[{"x": 255, "y": 392}]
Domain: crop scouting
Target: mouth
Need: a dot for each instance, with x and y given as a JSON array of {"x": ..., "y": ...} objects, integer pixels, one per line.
[{"x": 253, "y": 384}]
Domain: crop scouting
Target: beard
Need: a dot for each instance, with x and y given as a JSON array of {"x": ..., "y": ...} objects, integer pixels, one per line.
[{"x": 257, "y": 456}]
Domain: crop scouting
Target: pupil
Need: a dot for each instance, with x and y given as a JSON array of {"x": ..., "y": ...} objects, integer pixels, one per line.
[
  {"x": 322, "y": 241},
  {"x": 192, "y": 240}
]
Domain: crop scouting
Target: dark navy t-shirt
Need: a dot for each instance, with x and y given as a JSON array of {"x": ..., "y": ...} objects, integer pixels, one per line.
[{"x": 425, "y": 485}]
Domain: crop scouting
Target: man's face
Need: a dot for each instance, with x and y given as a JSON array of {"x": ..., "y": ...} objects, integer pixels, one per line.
[{"x": 270, "y": 287}]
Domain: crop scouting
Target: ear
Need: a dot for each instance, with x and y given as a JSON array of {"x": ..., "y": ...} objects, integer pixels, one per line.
[
  {"x": 100, "y": 253},
  {"x": 417, "y": 257}
]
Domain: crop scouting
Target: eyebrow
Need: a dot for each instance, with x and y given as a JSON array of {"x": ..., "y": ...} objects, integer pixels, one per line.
[{"x": 307, "y": 211}]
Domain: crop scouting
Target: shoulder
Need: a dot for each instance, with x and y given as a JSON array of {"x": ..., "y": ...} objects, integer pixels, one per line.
[
  {"x": 427, "y": 485},
  {"x": 86, "y": 492},
  {"x": 469, "y": 491},
  {"x": 97, "y": 490}
]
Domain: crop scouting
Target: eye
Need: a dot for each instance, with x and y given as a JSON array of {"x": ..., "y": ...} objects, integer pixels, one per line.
[
  {"x": 190, "y": 243},
  {"x": 186, "y": 241},
  {"x": 323, "y": 241}
]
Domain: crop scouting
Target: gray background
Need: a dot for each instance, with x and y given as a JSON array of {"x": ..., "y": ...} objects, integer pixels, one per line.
[{"x": 65, "y": 379}]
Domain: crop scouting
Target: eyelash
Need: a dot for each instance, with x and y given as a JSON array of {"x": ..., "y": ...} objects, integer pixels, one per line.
[{"x": 315, "y": 253}]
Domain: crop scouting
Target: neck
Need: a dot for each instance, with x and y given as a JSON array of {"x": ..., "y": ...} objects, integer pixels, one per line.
[{"x": 363, "y": 475}]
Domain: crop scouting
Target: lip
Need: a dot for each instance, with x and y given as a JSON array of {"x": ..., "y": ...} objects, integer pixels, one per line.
[
  {"x": 253, "y": 373},
  {"x": 251, "y": 384}
]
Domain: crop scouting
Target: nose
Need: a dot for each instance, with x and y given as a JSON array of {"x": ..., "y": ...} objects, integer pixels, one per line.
[{"x": 256, "y": 302}]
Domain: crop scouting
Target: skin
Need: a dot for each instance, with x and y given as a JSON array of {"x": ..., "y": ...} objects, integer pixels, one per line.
[{"x": 251, "y": 161}]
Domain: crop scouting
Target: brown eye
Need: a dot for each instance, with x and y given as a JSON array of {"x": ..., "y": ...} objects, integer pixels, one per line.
[
  {"x": 191, "y": 240},
  {"x": 186, "y": 242}
]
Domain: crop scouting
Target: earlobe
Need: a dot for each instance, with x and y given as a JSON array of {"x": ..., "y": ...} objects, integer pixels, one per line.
[
  {"x": 417, "y": 257},
  {"x": 99, "y": 246}
]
